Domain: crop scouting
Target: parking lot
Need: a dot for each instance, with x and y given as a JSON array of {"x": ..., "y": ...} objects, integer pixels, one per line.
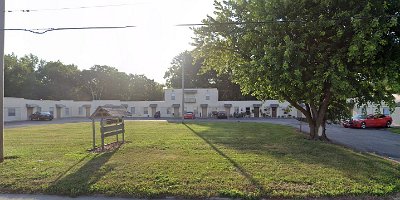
[{"x": 378, "y": 141}]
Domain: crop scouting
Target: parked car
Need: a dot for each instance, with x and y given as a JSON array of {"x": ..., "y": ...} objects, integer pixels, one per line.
[
  {"x": 222, "y": 115},
  {"x": 157, "y": 115},
  {"x": 346, "y": 123},
  {"x": 42, "y": 116},
  {"x": 378, "y": 120},
  {"x": 189, "y": 115}
]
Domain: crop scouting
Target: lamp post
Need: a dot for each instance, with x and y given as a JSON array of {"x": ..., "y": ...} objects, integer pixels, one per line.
[{"x": 183, "y": 88}]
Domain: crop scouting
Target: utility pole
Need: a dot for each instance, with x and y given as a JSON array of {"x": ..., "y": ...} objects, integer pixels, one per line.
[
  {"x": 183, "y": 88},
  {"x": 2, "y": 13}
]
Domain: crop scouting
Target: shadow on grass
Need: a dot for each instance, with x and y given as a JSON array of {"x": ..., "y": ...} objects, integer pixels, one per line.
[
  {"x": 238, "y": 167},
  {"x": 80, "y": 181},
  {"x": 291, "y": 150}
]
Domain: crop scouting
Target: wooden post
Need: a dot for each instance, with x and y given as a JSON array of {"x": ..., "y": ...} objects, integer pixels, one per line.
[
  {"x": 102, "y": 134},
  {"x": 123, "y": 131},
  {"x": 2, "y": 16},
  {"x": 94, "y": 133},
  {"x": 116, "y": 123}
]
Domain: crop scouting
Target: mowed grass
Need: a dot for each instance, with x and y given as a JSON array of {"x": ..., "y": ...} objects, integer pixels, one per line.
[
  {"x": 193, "y": 160},
  {"x": 395, "y": 130}
]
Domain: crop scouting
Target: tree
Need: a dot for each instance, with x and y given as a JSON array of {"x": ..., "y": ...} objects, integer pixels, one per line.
[
  {"x": 317, "y": 52},
  {"x": 195, "y": 77},
  {"x": 19, "y": 76},
  {"x": 57, "y": 81}
]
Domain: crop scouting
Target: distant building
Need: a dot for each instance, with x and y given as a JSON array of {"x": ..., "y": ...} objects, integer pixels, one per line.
[{"x": 202, "y": 101}]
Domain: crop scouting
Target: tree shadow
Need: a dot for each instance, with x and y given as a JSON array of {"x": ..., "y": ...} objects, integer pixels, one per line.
[
  {"x": 237, "y": 166},
  {"x": 80, "y": 181},
  {"x": 278, "y": 145}
]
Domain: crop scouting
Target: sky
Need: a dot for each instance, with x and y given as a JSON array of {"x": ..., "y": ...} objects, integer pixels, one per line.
[{"x": 147, "y": 49}]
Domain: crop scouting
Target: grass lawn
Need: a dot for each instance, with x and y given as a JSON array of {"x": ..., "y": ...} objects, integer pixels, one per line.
[
  {"x": 395, "y": 130},
  {"x": 248, "y": 160}
]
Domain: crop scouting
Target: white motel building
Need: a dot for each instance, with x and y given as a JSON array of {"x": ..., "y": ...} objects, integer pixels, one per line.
[{"x": 200, "y": 101}]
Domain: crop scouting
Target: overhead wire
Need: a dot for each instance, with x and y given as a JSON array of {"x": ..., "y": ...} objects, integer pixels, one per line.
[
  {"x": 45, "y": 30},
  {"x": 69, "y": 8}
]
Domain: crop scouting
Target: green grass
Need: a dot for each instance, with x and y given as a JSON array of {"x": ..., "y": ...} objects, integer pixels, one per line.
[
  {"x": 395, "y": 130},
  {"x": 246, "y": 160}
]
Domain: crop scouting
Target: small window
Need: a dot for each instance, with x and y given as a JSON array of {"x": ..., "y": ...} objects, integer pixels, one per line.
[
  {"x": 168, "y": 111},
  {"x": 66, "y": 111},
  {"x": 80, "y": 110},
  {"x": 11, "y": 112},
  {"x": 39, "y": 109},
  {"x": 207, "y": 97},
  {"x": 146, "y": 110},
  {"x": 386, "y": 111},
  {"x": 133, "y": 110},
  {"x": 236, "y": 109},
  {"x": 51, "y": 110},
  {"x": 172, "y": 96}
]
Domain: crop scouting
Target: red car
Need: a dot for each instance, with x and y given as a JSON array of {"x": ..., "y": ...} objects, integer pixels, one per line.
[
  {"x": 378, "y": 120},
  {"x": 189, "y": 115}
]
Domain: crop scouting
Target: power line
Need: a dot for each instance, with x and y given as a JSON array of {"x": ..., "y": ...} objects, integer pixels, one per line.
[
  {"x": 45, "y": 30},
  {"x": 68, "y": 8}
]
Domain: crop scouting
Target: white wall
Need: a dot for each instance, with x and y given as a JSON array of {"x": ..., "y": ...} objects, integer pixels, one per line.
[{"x": 19, "y": 105}]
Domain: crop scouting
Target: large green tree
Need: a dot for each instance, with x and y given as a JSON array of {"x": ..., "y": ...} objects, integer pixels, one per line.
[
  {"x": 57, "y": 81},
  {"x": 19, "y": 76},
  {"x": 316, "y": 52},
  {"x": 196, "y": 77}
]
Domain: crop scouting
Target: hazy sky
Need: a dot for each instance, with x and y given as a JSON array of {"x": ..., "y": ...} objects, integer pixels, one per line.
[{"x": 147, "y": 49}]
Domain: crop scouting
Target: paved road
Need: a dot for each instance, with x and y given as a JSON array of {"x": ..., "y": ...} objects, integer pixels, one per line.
[
  {"x": 379, "y": 141},
  {"x": 372, "y": 140}
]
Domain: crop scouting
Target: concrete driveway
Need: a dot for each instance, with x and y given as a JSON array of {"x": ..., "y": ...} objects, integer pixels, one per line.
[{"x": 378, "y": 141}]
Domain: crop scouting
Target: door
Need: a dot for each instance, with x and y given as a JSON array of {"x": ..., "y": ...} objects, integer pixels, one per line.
[
  {"x": 29, "y": 112},
  {"x": 87, "y": 111},
  {"x": 153, "y": 111},
  {"x": 176, "y": 111},
  {"x": 204, "y": 113},
  {"x": 228, "y": 112},
  {"x": 273, "y": 112},
  {"x": 256, "y": 112},
  {"x": 58, "y": 113}
]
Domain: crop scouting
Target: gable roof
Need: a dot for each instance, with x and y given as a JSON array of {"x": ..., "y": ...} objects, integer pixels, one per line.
[{"x": 109, "y": 111}]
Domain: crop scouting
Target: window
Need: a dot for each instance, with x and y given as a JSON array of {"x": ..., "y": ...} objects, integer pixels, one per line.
[
  {"x": 51, "y": 110},
  {"x": 146, "y": 110},
  {"x": 168, "y": 111},
  {"x": 80, "y": 110},
  {"x": 207, "y": 97},
  {"x": 236, "y": 109},
  {"x": 173, "y": 96},
  {"x": 386, "y": 111},
  {"x": 39, "y": 109},
  {"x": 132, "y": 110},
  {"x": 66, "y": 111},
  {"x": 11, "y": 112}
]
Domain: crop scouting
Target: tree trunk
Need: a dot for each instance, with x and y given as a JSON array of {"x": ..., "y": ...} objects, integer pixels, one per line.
[{"x": 317, "y": 132}]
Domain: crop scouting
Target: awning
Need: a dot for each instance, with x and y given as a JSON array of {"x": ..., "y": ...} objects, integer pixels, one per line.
[
  {"x": 31, "y": 105},
  {"x": 190, "y": 91},
  {"x": 153, "y": 105},
  {"x": 60, "y": 106},
  {"x": 256, "y": 105},
  {"x": 274, "y": 105},
  {"x": 203, "y": 105},
  {"x": 176, "y": 105},
  {"x": 227, "y": 105}
]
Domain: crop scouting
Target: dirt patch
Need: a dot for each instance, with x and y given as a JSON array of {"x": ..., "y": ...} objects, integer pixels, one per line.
[{"x": 107, "y": 147}]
